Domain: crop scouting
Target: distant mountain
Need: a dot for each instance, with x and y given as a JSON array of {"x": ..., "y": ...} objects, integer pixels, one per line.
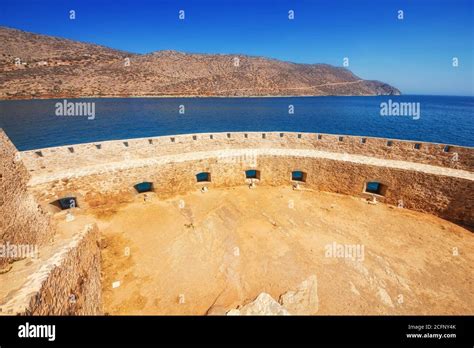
[{"x": 40, "y": 66}]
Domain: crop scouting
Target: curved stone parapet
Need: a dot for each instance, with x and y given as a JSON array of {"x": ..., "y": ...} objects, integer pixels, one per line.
[
  {"x": 433, "y": 178},
  {"x": 428, "y": 177},
  {"x": 51, "y": 159}
]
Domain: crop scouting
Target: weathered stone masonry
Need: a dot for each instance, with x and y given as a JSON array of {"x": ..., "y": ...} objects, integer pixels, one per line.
[
  {"x": 72, "y": 272},
  {"x": 68, "y": 283},
  {"x": 433, "y": 178},
  {"x": 22, "y": 219}
]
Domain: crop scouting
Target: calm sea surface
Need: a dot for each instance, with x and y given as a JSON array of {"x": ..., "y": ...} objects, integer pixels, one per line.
[{"x": 33, "y": 124}]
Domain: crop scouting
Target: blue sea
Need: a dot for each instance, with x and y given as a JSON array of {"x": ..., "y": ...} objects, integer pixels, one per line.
[{"x": 33, "y": 124}]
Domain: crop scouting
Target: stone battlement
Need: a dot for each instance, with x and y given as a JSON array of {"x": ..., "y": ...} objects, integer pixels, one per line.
[
  {"x": 428, "y": 177},
  {"x": 433, "y": 178},
  {"x": 48, "y": 160}
]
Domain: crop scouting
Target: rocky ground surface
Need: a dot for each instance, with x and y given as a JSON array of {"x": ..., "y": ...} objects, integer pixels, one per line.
[{"x": 265, "y": 251}]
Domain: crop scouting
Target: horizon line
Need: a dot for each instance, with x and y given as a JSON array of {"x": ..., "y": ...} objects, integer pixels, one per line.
[{"x": 187, "y": 52}]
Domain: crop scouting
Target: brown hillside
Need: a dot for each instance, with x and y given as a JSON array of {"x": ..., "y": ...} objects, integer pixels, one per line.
[{"x": 56, "y": 67}]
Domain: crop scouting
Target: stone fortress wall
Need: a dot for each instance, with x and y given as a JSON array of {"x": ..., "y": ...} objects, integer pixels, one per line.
[
  {"x": 70, "y": 272},
  {"x": 22, "y": 221},
  {"x": 433, "y": 178}
]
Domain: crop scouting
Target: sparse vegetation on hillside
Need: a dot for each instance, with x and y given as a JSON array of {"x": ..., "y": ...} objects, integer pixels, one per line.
[{"x": 39, "y": 66}]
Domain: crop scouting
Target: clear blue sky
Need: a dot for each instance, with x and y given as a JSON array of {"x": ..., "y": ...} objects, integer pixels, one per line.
[{"x": 414, "y": 54}]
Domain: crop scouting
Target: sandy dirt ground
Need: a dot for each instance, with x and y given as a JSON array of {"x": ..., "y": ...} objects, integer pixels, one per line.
[{"x": 220, "y": 249}]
